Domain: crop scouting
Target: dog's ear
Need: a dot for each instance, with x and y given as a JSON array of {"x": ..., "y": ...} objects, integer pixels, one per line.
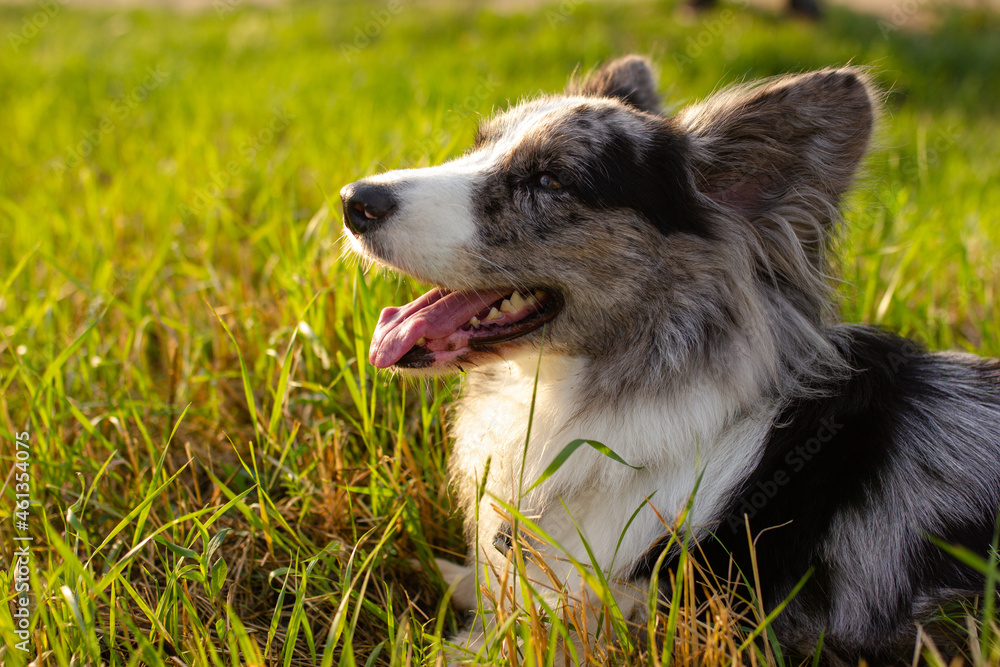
[
  {"x": 630, "y": 79},
  {"x": 786, "y": 148},
  {"x": 781, "y": 154}
]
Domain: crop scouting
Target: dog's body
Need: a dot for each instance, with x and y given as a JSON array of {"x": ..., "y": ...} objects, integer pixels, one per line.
[{"x": 672, "y": 273}]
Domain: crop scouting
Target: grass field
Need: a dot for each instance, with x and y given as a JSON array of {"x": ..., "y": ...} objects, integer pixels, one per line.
[{"x": 215, "y": 474}]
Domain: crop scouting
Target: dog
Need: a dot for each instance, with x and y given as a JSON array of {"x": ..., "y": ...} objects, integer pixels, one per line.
[{"x": 660, "y": 285}]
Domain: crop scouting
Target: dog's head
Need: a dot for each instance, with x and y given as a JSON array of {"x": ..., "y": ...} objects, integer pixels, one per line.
[{"x": 591, "y": 217}]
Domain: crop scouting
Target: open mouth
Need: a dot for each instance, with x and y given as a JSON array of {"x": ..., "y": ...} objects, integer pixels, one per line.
[{"x": 443, "y": 327}]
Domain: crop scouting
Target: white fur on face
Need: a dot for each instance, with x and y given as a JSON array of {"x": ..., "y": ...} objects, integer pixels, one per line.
[{"x": 430, "y": 233}]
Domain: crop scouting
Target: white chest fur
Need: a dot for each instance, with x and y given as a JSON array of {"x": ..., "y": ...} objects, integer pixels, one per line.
[{"x": 673, "y": 438}]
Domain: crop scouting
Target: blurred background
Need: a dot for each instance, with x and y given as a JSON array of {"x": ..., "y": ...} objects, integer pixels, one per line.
[{"x": 214, "y": 469}]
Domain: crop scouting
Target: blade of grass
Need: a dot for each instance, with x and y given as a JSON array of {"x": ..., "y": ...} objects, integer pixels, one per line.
[{"x": 568, "y": 450}]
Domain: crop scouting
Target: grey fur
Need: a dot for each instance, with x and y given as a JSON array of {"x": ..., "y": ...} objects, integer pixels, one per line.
[{"x": 691, "y": 255}]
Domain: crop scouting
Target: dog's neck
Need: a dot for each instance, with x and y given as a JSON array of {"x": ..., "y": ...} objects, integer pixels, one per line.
[{"x": 671, "y": 436}]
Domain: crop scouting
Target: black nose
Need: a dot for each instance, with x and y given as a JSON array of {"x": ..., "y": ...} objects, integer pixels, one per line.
[{"x": 366, "y": 205}]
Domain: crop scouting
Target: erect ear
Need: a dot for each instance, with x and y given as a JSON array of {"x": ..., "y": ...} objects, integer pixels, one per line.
[
  {"x": 783, "y": 151},
  {"x": 629, "y": 79}
]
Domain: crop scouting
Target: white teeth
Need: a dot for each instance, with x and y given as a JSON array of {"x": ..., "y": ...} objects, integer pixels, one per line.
[
  {"x": 421, "y": 341},
  {"x": 507, "y": 307},
  {"x": 494, "y": 315},
  {"x": 474, "y": 321},
  {"x": 539, "y": 294},
  {"x": 531, "y": 300},
  {"x": 517, "y": 301}
]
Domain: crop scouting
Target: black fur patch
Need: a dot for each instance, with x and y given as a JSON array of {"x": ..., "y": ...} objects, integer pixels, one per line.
[
  {"x": 825, "y": 457},
  {"x": 652, "y": 180},
  {"x": 601, "y": 167}
]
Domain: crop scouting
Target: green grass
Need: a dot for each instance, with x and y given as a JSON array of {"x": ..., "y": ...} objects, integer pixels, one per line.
[{"x": 215, "y": 473}]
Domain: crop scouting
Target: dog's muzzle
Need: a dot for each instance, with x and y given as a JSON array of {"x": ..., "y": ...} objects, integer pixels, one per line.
[{"x": 366, "y": 205}]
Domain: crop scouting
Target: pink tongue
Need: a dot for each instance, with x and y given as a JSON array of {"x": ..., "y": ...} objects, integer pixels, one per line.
[{"x": 434, "y": 315}]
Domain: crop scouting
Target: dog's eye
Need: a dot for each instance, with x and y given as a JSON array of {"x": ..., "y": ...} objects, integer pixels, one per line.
[{"x": 548, "y": 182}]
